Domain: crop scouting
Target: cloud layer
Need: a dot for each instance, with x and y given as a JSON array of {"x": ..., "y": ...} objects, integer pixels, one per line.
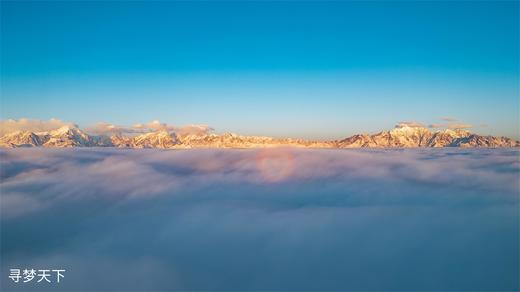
[{"x": 275, "y": 219}]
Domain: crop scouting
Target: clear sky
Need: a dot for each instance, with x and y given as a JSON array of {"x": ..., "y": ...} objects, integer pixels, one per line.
[{"x": 301, "y": 69}]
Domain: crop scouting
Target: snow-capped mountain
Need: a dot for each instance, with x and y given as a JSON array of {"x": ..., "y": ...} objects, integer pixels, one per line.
[
  {"x": 158, "y": 139},
  {"x": 408, "y": 136},
  {"x": 66, "y": 136},
  {"x": 230, "y": 140},
  {"x": 400, "y": 136},
  {"x": 447, "y": 137},
  {"x": 20, "y": 139}
]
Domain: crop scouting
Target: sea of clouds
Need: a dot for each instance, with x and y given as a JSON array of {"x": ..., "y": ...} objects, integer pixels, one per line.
[{"x": 266, "y": 219}]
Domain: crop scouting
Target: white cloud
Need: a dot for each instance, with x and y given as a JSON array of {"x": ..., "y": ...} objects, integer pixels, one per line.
[
  {"x": 157, "y": 125},
  {"x": 23, "y": 124},
  {"x": 103, "y": 128},
  {"x": 413, "y": 124},
  {"x": 193, "y": 130},
  {"x": 154, "y": 125}
]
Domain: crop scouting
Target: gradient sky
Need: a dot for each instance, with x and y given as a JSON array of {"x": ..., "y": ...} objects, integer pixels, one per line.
[{"x": 301, "y": 69}]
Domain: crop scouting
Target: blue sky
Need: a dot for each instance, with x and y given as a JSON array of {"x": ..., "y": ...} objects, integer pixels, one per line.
[{"x": 302, "y": 69}]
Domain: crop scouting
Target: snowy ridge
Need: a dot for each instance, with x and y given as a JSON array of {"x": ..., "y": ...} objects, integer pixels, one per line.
[{"x": 401, "y": 136}]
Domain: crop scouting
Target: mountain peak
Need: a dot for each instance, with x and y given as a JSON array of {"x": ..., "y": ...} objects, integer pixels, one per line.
[
  {"x": 63, "y": 130},
  {"x": 157, "y": 139},
  {"x": 408, "y": 129}
]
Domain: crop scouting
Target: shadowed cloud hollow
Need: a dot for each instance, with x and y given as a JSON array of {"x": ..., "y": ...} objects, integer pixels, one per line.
[{"x": 264, "y": 219}]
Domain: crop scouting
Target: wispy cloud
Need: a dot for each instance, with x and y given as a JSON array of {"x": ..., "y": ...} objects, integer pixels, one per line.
[
  {"x": 436, "y": 126},
  {"x": 450, "y": 123},
  {"x": 448, "y": 119},
  {"x": 459, "y": 126}
]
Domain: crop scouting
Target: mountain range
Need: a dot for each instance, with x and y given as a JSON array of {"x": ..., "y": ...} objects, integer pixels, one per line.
[{"x": 402, "y": 136}]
